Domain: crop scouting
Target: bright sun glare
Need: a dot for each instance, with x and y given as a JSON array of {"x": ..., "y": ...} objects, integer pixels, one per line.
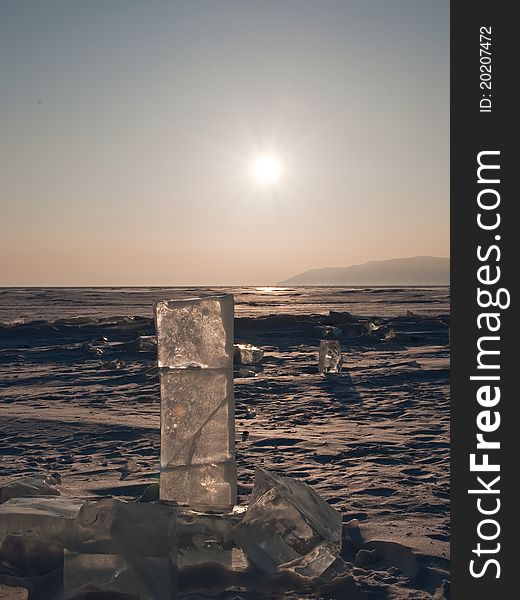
[{"x": 266, "y": 169}]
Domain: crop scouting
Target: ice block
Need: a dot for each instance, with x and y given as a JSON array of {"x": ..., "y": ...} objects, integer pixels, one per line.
[
  {"x": 49, "y": 518},
  {"x": 197, "y": 332},
  {"x": 195, "y": 359},
  {"x": 148, "y": 578},
  {"x": 112, "y": 526},
  {"x": 208, "y": 539},
  {"x": 327, "y": 332},
  {"x": 288, "y": 526},
  {"x": 247, "y": 354},
  {"x": 330, "y": 360},
  {"x": 38, "y": 485},
  {"x": 124, "y": 547},
  {"x": 13, "y": 592}
]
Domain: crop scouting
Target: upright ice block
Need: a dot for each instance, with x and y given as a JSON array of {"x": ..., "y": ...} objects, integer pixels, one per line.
[
  {"x": 195, "y": 333},
  {"x": 330, "y": 358},
  {"x": 195, "y": 358}
]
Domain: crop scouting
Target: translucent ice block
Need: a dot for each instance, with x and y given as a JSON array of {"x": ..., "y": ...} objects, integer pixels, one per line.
[
  {"x": 49, "y": 518},
  {"x": 288, "y": 526},
  {"x": 208, "y": 539},
  {"x": 197, "y": 417},
  {"x": 327, "y": 332},
  {"x": 197, "y": 438},
  {"x": 13, "y": 592},
  {"x": 30, "y": 486},
  {"x": 148, "y": 578},
  {"x": 124, "y": 547},
  {"x": 147, "y": 343},
  {"x": 330, "y": 360},
  {"x": 195, "y": 357},
  {"x": 132, "y": 529},
  {"x": 247, "y": 354},
  {"x": 195, "y": 333}
]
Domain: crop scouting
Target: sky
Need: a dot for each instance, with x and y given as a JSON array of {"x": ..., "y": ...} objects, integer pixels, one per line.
[{"x": 129, "y": 131}]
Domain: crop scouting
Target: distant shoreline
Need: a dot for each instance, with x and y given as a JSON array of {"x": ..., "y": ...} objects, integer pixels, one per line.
[
  {"x": 410, "y": 271},
  {"x": 221, "y": 286}
]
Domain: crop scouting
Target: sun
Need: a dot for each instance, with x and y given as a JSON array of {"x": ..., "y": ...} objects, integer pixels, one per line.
[{"x": 267, "y": 169}]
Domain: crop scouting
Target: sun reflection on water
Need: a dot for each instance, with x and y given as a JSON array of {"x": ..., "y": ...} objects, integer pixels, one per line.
[{"x": 269, "y": 290}]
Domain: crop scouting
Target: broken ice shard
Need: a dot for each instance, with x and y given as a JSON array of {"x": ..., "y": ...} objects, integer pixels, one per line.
[
  {"x": 288, "y": 526},
  {"x": 30, "y": 557},
  {"x": 247, "y": 354},
  {"x": 114, "y": 527},
  {"x": 330, "y": 360},
  {"x": 327, "y": 331},
  {"x": 124, "y": 547},
  {"x": 38, "y": 485},
  {"x": 208, "y": 539},
  {"x": 13, "y": 592},
  {"x": 148, "y": 577},
  {"x": 47, "y": 518},
  {"x": 147, "y": 343},
  {"x": 195, "y": 357}
]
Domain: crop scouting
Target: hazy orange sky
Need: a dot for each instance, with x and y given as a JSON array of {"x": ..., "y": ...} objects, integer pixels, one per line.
[{"x": 128, "y": 130}]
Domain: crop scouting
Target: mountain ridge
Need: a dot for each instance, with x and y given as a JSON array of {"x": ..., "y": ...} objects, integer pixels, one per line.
[{"x": 413, "y": 270}]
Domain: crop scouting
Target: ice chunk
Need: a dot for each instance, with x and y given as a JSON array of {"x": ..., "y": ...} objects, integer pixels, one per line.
[
  {"x": 50, "y": 518},
  {"x": 30, "y": 556},
  {"x": 195, "y": 333},
  {"x": 44, "y": 485},
  {"x": 195, "y": 357},
  {"x": 247, "y": 354},
  {"x": 243, "y": 373},
  {"x": 331, "y": 360},
  {"x": 289, "y": 526},
  {"x": 206, "y": 552},
  {"x": 124, "y": 547},
  {"x": 339, "y": 318},
  {"x": 383, "y": 332},
  {"x": 147, "y": 343},
  {"x": 128, "y": 528},
  {"x": 327, "y": 331},
  {"x": 205, "y": 538},
  {"x": 250, "y": 412},
  {"x": 13, "y": 592},
  {"x": 149, "y": 578}
]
